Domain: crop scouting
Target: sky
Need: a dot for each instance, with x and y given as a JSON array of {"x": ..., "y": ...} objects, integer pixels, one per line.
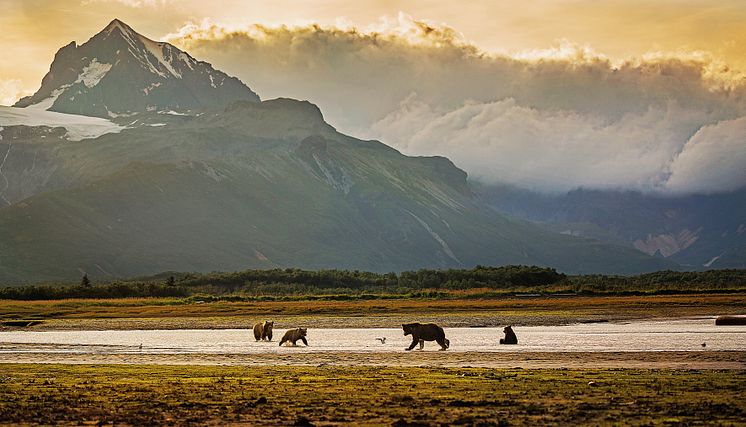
[{"x": 548, "y": 95}]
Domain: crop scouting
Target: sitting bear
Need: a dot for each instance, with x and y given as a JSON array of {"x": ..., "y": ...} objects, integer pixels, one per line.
[
  {"x": 263, "y": 331},
  {"x": 510, "y": 337},
  {"x": 427, "y": 332},
  {"x": 294, "y": 335}
]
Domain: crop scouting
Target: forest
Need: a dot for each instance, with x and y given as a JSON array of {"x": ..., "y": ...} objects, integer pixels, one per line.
[{"x": 346, "y": 284}]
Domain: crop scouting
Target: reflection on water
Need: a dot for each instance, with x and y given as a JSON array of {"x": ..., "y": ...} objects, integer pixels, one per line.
[{"x": 670, "y": 335}]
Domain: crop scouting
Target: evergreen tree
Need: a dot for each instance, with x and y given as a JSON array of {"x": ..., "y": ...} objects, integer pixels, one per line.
[{"x": 85, "y": 282}]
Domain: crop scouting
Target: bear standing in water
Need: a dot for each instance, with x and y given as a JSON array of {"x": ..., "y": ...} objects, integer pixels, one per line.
[
  {"x": 263, "y": 331},
  {"x": 294, "y": 335},
  {"x": 510, "y": 337},
  {"x": 426, "y": 332}
]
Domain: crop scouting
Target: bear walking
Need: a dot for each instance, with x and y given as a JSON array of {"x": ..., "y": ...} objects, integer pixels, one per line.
[{"x": 294, "y": 335}]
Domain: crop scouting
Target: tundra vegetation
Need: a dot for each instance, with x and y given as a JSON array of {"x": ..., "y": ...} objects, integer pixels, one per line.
[
  {"x": 347, "y": 284},
  {"x": 483, "y": 296},
  {"x": 333, "y": 395}
]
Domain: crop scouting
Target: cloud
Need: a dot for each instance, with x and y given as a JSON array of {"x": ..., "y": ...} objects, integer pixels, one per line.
[
  {"x": 131, "y": 3},
  {"x": 11, "y": 91},
  {"x": 714, "y": 158},
  {"x": 334, "y": 66},
  {"x": 551, "y": 119},
  {"x": 504, "y": 142}
]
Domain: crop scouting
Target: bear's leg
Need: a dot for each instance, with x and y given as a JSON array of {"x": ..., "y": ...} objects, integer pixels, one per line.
[
  {"x": 422, "y": 344},
  {"x": 304, "y": 341},
  {"x": 414, "y": 343},
  {"x": 443, "y": 344}
]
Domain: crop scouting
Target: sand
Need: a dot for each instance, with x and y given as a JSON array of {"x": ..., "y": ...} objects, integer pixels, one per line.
[{"x": 540, "y": 360}]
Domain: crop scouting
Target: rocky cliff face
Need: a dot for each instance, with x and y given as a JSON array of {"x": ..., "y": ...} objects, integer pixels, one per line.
[{"x": 118, "y": 72}]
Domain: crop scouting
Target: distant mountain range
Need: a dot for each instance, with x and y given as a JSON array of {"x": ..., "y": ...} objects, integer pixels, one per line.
[
  {"x": 696, "y": 231},
  {"x": 195, "y": 173}
]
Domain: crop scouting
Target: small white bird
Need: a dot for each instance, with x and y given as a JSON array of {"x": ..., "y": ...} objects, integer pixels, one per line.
[{"x": 383, "y": 340}]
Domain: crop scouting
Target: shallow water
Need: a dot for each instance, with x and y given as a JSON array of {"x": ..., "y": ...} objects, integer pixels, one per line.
[{"x": 668, "y": 335}]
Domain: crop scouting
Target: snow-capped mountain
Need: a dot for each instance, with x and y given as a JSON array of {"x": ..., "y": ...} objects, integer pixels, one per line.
[{"x": 119, "y": 71}]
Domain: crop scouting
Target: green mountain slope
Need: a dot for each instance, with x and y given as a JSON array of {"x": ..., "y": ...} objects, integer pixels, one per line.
[{"x": 264, "y": 185}]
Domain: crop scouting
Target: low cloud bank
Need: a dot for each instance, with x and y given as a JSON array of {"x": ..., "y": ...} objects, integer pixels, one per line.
[
  {"x": 714, "y": 158},
  {"x": 551, "y": 120},
  {"x": 660, "y": 149}
]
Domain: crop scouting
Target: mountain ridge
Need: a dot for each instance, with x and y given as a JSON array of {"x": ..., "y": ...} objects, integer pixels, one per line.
[{"x": 698, "y": 231}]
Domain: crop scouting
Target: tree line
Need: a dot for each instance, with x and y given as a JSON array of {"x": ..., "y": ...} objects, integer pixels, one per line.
[{"x": 420, "y": 283}]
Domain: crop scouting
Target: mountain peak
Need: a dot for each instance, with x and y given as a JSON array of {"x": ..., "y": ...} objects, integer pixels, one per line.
[
  {"x": 119, "y": 71},
  {"x": 116, "y": 23},
  {"x": 119, "y": 27}
]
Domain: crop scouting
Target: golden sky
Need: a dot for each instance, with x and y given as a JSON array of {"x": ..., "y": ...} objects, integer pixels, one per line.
[{"x": 31, "y": 31}]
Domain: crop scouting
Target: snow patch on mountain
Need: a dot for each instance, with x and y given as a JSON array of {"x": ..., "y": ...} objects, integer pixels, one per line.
[
  {"x": 667, "y": 244},
  {"x": 712, "y": 261},
  {"x": 78, "y": 127},
  {"x": 188, "y": 60},
  {"x": 6, "y": 183},
  {"x": 93, "y": 73},
  {"x": 436, "y": 237},
  {"x": 47, "y": 103},
  {"x": 156, "y": 49},
  {"x": 163, "y": 53},
  {"x": 151, "y": 87},
  {"x": 152, "y": 49}
]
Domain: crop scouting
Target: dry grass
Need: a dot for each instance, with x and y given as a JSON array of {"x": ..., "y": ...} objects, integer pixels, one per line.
[
  {"x": 148, "y": 395},
  {"x": 176, "y": 313}
]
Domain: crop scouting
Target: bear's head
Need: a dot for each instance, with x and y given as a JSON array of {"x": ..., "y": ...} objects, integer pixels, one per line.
[
  {"x": 303, "y": 331},
  {"x": 409, "y": 327},
  {"x": 508, "y": 330}
]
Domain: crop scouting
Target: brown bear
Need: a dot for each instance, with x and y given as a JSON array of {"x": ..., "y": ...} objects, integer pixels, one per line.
[
  {"x": 510, "y": 337},
  {"x": 425, "y": 332},
  {"x": 263, "y": 331},
  {"x": 294, "y": 335}
]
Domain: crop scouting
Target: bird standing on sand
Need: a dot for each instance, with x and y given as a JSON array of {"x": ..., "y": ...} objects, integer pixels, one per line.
[
  {"x": 140, "y": 348},
  {"x": 383, "y": 340}
]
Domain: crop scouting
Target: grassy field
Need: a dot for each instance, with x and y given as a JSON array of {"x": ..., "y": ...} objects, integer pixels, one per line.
[
  {"x": 282, "y": 395},
  {"x": 148, "y": 313}
]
